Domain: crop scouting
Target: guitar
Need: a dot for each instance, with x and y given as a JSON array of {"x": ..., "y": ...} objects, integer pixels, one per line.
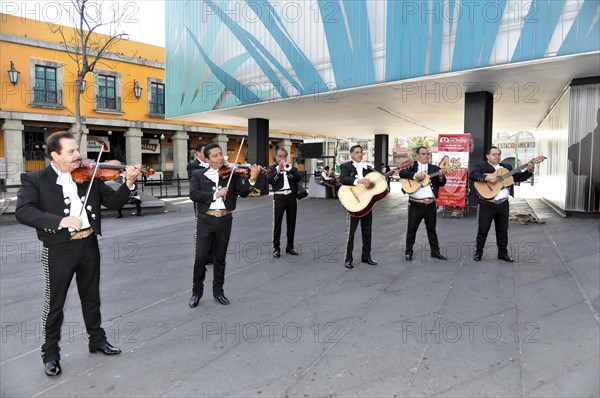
[
  {"x": 488, "y": 190},
  {"x": 410, "y": 185},
  {"x": 358, "y": 200}
]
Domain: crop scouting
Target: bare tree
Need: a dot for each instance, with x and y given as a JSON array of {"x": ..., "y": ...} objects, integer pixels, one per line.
[{"x": 85, "y": 46}]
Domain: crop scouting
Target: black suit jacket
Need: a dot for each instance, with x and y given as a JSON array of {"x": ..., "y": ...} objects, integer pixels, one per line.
[
  {"x": 435, "y": 182},
  {"x": 276, "y": 180},
  {"x": 348, "y": 173},
  {"x": 193, "y": 166},
  {"x": 203, "y": 188},
  {"x": 41, "y": 204},
  {"x": 479, "y": 170}
]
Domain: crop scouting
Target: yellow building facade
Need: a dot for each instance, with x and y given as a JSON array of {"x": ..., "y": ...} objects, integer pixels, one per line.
[{"x": 122, "y": 105}]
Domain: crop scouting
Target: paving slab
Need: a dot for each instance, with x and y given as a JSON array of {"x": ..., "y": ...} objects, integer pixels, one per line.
[{"x": 307, "y": 326}]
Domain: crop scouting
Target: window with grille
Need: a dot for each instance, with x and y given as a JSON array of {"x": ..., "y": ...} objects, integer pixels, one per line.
[
  {"x": 157, "y": 98},
  {"x": 107, "y": 93},
  {"x": 45, "y": 90}
]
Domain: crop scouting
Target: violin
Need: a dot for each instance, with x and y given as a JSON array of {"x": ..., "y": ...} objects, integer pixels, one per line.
[
  {"x": 242, "y": 170},
  {"x": 107, "y": 171}
]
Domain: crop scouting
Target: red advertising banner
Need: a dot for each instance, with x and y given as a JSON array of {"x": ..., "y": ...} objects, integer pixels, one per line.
[
  {"x": 454, "y": 143},
  {"x": 453, "y": 149},
  {"x": 454, "y": 192}
]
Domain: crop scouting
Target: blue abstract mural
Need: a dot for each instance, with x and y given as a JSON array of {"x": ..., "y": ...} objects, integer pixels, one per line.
[{"x": 227, "y": 53}]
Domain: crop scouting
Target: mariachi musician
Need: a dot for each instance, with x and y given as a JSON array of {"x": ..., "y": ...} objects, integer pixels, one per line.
[
  {"x": 215, "y": 196},
  {"x": 495, "y": 209},
  {"x": 284, "y": 178},
  {"x": 353, "y": 173},
  {"x": 421, "y": 204},
  {"x": 66, "y": 217}
]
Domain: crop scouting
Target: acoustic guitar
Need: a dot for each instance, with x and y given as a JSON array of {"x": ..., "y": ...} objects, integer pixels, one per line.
[
  {"x": 358, "y": 200},
  {"x": 503, "y": 179},
  {"x": 410, "y": 185}
]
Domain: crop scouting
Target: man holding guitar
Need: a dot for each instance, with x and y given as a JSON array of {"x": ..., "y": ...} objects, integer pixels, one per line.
[
  {"x": 422, "y": 201},
  {"x": 487, "y": 177},
  {"x": 353, "y": 173}
]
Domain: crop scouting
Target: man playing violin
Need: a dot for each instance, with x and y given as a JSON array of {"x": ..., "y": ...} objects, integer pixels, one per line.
[
  {"x": 51, "y": 202},
  {"x": 353, "y": 173},
  {"x": 215, "y": 196},
  {"x": 284, "y": 181},
  {"x": 496, "y": 209},
  {"x": 421, "y": 204}
]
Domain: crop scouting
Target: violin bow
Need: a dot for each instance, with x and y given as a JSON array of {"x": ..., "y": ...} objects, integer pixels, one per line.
[
  {"x": 236, "y": 160},
  {"x": 87, "y": 194}
]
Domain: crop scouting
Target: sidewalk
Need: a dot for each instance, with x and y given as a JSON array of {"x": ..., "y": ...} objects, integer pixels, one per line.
[{"x": 307, "y": 326}]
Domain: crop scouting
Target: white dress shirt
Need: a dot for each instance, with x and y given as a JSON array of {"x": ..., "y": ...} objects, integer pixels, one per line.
[
  {"x": 72, "y": 199},
  {"x": 504, "y": 192},
  {"x": 218, "y": 203},
  {"x": 426, "y": 191},
  {"x": 359, "y": 170}
]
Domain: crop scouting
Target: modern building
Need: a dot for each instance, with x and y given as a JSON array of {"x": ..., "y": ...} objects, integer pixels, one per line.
[
  {"x": 382, "y": 69},
  {"x": 122, "y": 104}
]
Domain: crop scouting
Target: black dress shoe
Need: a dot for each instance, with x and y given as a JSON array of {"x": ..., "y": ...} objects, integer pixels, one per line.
[
  {"x": 222, "y": 299},
  {"x": 106, "y": 349},
  {"x": 52, "y": 368},
  {"x": 477, "y": 256},
  {"x": 506, "y": 258},
  {"x": 438, "y": 255},
  {"x": 369, "y": 261},
  {"x": 291, "y": 251},
  {"x": 408, "y": 257},
  {"x": 276, "y": 253},
  {"x": 194, "y": 301},
  {"x": 348, "y": 264}
]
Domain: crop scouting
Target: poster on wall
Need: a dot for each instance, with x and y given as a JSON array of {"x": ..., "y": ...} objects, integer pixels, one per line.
[
  {"x": 453, "y": 152},
  {"x": 150, "y": 145},
  {"x": 94, "y": 143}
]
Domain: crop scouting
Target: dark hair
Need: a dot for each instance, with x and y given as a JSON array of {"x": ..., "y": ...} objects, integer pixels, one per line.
[
  {"x": 200, "y": 146},
  {"x": 353, "y": 147},
  {"x": 490, "y": 150},
  {"x": 208, "y": 147},
  {"x": 419, "y": 149},
  {"x": 327, "y": 168},
  {"x": 53, "y": 142}
]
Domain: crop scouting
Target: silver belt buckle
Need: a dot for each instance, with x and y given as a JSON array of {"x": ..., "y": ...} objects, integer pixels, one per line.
[{"x": 218, "y": 213}]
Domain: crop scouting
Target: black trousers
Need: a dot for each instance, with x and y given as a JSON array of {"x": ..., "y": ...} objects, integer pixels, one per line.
[
  {"x": 366, "y": 224},
  {"x": 287, "y": 204},
  {"x": 498, "y": 213},
  {"x": 211, "y": 233},
  {"x": 416, "y": 213},
  {"x": 60, "y": 262}
]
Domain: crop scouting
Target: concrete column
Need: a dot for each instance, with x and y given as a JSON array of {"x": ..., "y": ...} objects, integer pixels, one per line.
[
  {"x": 84, "y": 139},
  {"x": 222, "y": 140},
  {"x": 287, "y": 145},
  {"x": 258, "y": 141},
  {"x": 133, "y": 145},
  {"x": 13, "y": 149},
  {"x": 180, "y": 154},
  {"x": 479, "y": 112},
  {"x": 381, "y": 150}
]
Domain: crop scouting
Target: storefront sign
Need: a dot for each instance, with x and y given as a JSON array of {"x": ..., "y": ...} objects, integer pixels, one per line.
[
  {"x": 453, "y": 152},
  {"x": 150, "y": 145},
  {"x": 94, "y": 143}
]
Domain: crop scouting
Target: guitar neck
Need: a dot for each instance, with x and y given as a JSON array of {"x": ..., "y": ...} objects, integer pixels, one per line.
[{"x": 514, "y": 171}]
